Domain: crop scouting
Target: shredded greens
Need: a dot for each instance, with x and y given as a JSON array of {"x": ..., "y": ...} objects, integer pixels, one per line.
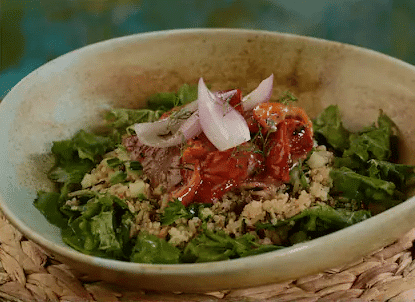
[
  {"x": 315, "y": 222},
  {"x": 364, "y": 172},
  {"x": 365, "y": 182}
]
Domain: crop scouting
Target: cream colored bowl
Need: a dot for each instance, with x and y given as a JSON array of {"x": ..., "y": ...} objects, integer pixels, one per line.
[{"x": 71, "y": 92}]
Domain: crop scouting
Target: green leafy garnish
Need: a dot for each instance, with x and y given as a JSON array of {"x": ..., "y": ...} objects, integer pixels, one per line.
[
  {"x": 135, "y": 166},
  {"x": 168, "y": 100},
  {"x": 118, "y": 177},
  {"x": 329, "y": 125},
  {"x": 114, "y": 162},
  {"x": 152, "y": 249},
  {"x": 176, "y": 210},
  {"x": 372, "y": 142},
  {"x": 356, "y": 186},
  {"x": 77, "y": 156},
  {"x": 315, "y": 222},
  {"x": 217, "y": 246},
  {"x": 100, "y": 227},
  {"x": 49, "y": 203},
  {"x": 287, "y": 98}
]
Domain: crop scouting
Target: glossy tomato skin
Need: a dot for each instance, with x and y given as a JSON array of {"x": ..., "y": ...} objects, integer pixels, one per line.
[
  {"x": 234, "y": 100},
  {"x": 300, "y": 138},
  {"x": 194, "y": 153},
  {"x": 278, "y": 154},
  {"x": 220, "y": 171},
  {"x": 289, "y": 136},
  {"x": 186, "y": 193},
  {"x": 253, "y": 125},
  {"x": 269, "y": 115},
  {"x": 225, "y": 170},
  {"x": 286, "y": 136}
]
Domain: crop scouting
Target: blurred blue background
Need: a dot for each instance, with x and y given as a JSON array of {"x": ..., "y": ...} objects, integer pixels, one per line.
[{"x": 34, "y": 32}]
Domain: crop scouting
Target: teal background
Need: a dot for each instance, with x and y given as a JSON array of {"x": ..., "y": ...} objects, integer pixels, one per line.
[{"x": 34, "y": 32}]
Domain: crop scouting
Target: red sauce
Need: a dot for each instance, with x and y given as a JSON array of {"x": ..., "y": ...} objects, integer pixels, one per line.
[{"x": 281, "y": 135}]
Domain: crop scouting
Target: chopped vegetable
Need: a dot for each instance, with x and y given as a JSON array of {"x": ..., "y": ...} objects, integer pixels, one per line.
[
  {"x": 223, "y": 125},
  {"x": 151, "y": 249},
  {"x": 171, "y": 131},
  {"x": 329, "y": 126},
  {"x": 259, "y": 95},
  {"x": 218, "y": 114}
]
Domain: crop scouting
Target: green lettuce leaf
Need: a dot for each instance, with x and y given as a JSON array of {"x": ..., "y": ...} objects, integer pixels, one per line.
[
  {"x": 102, "y": 227},
  {"x": 49, "y": 204},
  {"x": 401, "y": 175},
  {"x": 99, "y": 227},
  {"x": 121, "y": 118},
  {"x": 167, "y": 100},
  {"x": 152, "y": 249},
  {"x": 217, "y": 246},
  {"x": 77, "y": 156},
  {"x": 331, "y": 218},
  {"x": 176, "y": 210},
  {"x": 187, "y": 94},
  {"x": 352, "y": 185},
  {"x": 329, "y": 125},
  {"x": 373, "y": 142},
  {"x": 315, "y": 222},
  {"x": 91, "y": 146}
]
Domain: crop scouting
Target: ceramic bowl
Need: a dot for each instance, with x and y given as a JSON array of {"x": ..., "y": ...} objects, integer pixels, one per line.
[{"x": 70, "y": 93}]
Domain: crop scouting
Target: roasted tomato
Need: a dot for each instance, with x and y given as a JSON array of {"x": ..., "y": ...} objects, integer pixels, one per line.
[
  {"x": 289, "y": 136},
  {"x": 208, "y": 173}
]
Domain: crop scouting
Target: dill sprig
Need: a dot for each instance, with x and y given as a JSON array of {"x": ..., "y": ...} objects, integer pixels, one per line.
[{"x": 287, "y": 97}]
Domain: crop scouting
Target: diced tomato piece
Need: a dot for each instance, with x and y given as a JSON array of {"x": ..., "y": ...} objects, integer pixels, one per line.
[
  {"x": 186, "y": 193},
  {"x": 300, "y": 138},
  {"x": 269, "y": 115},
  {"x": 220, "y": 171},
  {"x": 253, "y": 124},
  {"x": 278, "y": 157},
  {"x": 235, "y": 101},
  {"x": 298, "y": 113}
]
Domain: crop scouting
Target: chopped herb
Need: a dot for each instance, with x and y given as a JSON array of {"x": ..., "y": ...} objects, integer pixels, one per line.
[
  {"x": 287, "y": 98},
  {"x": 135, "y": 166},
  {"x": 114, "y": 162},
  {"x": 118, "y": 177}
]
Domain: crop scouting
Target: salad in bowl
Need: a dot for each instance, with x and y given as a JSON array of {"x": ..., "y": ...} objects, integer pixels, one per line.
[{"x": 203, "y": 176}]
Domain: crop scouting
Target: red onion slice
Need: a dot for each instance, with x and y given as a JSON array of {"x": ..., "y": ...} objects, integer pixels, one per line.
[
  {"x": 225, "y": 95},
  {"x": 222, "y": 124},
  {"x": 259, "y": 95},
  {"x": 171, "y": 131}
]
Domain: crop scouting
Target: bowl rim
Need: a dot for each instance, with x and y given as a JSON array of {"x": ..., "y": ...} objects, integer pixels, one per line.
[{"x": 208, "y": 267}]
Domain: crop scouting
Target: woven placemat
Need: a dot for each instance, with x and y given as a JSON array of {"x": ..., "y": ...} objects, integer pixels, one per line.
[{"x": 28, "y": 274}]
